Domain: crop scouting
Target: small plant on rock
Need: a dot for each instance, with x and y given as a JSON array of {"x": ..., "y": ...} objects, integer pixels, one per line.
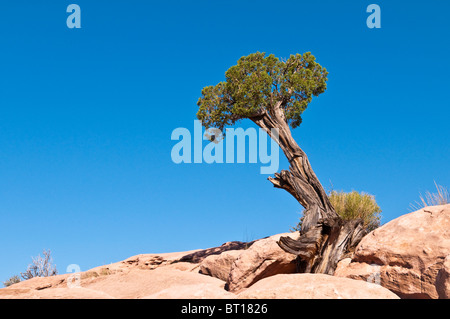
[
  {"x": 441, "y": 197},
  {"x": 40, "y": 267},
  {"x": 354, "y": 205},
  {"x": 11, "y": 281}
]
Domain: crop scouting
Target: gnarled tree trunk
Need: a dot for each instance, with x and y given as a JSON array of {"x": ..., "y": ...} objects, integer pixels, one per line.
[{"x": 325, "y": 238}]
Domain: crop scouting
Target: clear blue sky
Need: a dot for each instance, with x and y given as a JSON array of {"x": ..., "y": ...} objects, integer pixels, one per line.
[{"x": 86, "y": 117}]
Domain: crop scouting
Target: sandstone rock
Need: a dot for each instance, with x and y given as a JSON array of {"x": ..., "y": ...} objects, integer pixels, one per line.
[
  {"x": 52, "y": 293},
  {"x": 342, "y": 266},
  {"x": 219, "y": 266},
  {"x": 39, "y": 283},
  {"x": 314, "y": 286},
  {"x": 406, "y": 254},
  {"x": 139, "y": 283},
  {"x": 135, "y": 283},
  {"x": 263, "y": 259},
  {"x": 192, "y": 291},
  {"x": 151, "y": 261},
  {"x": 70, "y": 293},
  {"x": 443, "y": 280},
  {"x": 136, "y": 277},
  {"x": 17, "y": 293}
]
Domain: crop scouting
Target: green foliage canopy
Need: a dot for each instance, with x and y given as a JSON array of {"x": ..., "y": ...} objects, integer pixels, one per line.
[{"x": 257, "y": 83}]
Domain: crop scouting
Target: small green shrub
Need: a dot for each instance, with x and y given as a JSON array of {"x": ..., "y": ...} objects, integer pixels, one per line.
[{"x": 354, "y": 205}]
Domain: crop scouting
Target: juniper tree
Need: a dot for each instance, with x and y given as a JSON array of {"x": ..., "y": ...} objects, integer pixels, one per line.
[{"x": 274, "y": 93}]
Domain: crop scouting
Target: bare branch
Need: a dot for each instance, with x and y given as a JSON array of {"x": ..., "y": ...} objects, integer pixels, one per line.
[{"x": 40, "y": 267}]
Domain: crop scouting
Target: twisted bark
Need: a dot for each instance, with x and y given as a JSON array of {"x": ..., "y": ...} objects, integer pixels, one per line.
[{"x": 325, "y": 237}]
